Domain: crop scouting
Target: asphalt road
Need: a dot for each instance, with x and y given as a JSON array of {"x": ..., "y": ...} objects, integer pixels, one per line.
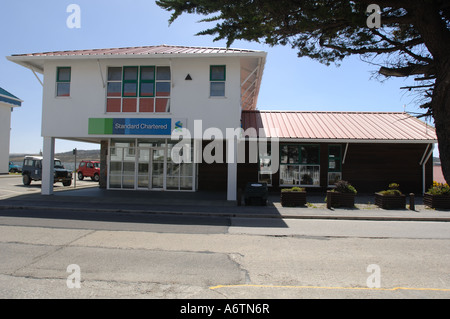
[{"x": 159, "y": 256}]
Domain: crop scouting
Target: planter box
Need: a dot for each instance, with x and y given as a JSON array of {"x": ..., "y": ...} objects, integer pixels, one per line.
[
  {"x": 437, "y": 201},
  {"x": 341, "y": 199},
  {"x": 390, "y": 201},
  {"x": 293, "y": 199}
]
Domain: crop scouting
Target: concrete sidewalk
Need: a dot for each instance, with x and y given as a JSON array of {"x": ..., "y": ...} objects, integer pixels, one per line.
[{"x": 212, "y": 204}]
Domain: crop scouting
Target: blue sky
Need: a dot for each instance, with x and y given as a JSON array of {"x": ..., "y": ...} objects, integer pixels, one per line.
[{"x": 289, "y": 83}]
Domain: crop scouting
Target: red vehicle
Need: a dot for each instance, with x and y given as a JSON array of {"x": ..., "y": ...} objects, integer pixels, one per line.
[{"x": 89, "y": 169}]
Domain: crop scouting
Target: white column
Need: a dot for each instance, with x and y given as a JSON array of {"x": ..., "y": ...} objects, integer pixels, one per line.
[
  {"x": 232, "y": 169},
  {"x": 48, "y": 166}
]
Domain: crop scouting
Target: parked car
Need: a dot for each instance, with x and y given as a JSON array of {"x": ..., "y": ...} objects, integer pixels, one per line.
[
  {"x": 89, "y": 169},
  {"x": 32, "y": 171},
  {"x": 13, "y": 168}
]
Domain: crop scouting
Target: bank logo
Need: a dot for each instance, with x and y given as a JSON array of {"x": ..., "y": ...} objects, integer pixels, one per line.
[{"x": 178, "y": 126}]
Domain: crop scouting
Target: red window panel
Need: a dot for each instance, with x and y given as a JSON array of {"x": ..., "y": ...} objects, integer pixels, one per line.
[
  {"x": 146, "y": 105},
  {"x": 129, "y": 105},
  {"x": 113, "y": 105},
  {"x": 162, "y": 105}
]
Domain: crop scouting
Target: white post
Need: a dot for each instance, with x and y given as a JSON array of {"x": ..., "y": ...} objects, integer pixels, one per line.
[
  {"x": 48, "y": 166},
  {"x": 232, "y": 169}
]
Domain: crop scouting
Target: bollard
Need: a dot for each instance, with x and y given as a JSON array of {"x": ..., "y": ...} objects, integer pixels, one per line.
[
  {"x": 328, "y": 200},
  {"x": 412, "y": 205}
]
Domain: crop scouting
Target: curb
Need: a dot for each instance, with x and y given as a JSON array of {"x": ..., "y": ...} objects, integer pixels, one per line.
[{"x": 232, "y": 215}]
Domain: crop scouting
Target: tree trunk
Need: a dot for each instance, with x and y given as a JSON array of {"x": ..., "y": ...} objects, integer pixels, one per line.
[{"x": 440, "y": 106}]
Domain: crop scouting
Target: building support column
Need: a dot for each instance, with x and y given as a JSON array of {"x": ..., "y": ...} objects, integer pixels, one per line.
[
  {"x": 103, "y": 164},
  {"x": 232, "y": 170},
  {"x": 48, "y": 163}
]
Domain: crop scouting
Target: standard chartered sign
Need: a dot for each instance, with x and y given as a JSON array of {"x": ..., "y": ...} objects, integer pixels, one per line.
[{"x": 133, "y": 126}]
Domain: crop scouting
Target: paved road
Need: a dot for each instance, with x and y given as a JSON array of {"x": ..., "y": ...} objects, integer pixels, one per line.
[{"x": 153, "y": 256}]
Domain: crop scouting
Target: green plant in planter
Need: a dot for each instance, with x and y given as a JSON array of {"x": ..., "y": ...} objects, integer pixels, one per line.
[
  {"x": 439, "y": 189},
  {"x": 293, "y": 189},
  {"x": 393, "y": 190},
  {"x": 341, "y": 196},
  {"x": 438, "y": 196},
  {"x": 344, "y": 187},
  {"x": 392, "y": 198}
]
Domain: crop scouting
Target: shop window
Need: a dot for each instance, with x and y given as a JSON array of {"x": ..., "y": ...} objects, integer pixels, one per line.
[
  {"x": 300, "y": 165},
  {"x": 334, "y": 164},
  {"x": 217, "y": 77},
  {"x": 144, "y": 89},
  {"x": 264, "y": 161},
  {"x": 63, "y": 75}
]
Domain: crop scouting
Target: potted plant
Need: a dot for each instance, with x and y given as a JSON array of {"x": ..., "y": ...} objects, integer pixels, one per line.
[
  {"x": 292, "y": 197},
  {"x": 438, "y": 196},
  {"x": 392, "y": 198},
  {"x": 341, "y": 196}
]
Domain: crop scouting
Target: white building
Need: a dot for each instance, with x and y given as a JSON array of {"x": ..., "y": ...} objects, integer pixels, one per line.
[
  {"x": 7, "y": 103},
  {"x": 130, "y": 99}
]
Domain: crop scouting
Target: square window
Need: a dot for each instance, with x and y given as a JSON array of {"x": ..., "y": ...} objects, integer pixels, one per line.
[
  {"x": 130, "y": 73},
  {"x": 217, "y": 73},
  {"x": 63, "y": 74},
  {"x": 147, "y": 89},
  {"x": 217, "y": 89},
  {"x": 130, "y": 89},
  {"x": 309, "y": 154},
  {"x": 148, "y": 73},
  {"x": 162, "y": 105},
  {"x": 163, "y": 73},
  {"x": 129, "y": 105},
  {"x": 146, "y": 105},
  {"x": 113, "y": 105},
  {"x": 114, "y": 89},
  {"x": 115, "y": 74},
  {"x": 162, "y": 88},
  {"x": 63, "y": 89}
]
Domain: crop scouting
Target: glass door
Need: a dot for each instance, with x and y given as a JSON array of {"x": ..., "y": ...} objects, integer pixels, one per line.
[
  {"x": 157, "y": 168},
  {"x": 143, "y": 179}
]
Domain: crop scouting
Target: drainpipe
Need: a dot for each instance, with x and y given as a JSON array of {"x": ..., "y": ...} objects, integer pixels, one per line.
[{"x": 424, "y": 162}]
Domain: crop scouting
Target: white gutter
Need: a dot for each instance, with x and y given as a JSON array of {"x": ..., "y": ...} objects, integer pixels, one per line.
[
  {"x": 101, "y": 73},
  {"x": 424, "y": 163},
  {"x": 345, "y": 154}
]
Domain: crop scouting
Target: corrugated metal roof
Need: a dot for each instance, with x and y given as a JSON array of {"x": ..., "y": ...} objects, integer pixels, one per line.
[
  {"x": 339, "y": 126},
  {"x": 142, "y": 50}
]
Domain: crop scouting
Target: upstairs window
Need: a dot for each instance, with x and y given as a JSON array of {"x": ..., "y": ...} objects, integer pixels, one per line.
[
  {"x": 217, "y": 77},
  {"x": 63, "y": 75},
  {"x": 144, "y": 89}
]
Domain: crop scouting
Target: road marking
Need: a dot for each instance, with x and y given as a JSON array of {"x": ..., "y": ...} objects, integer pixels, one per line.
[{"x": 330, "y": 288}]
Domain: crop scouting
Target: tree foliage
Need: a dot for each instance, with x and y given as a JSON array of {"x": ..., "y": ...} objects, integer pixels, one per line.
[{"x": 413, "y": 39}]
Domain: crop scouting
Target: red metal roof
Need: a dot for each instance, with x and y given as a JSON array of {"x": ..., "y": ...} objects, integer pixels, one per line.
[
  {"x": 143, "y": 50},
  {"x": 342, "y": 126}
]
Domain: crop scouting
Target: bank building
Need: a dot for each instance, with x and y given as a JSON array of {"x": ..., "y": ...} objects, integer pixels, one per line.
[{"x": 131, "y": 100}]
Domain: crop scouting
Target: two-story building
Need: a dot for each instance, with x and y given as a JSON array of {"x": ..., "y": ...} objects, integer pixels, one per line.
[
  {"x": 131, "y": 100},
  {"x": 8, "y": 102}
]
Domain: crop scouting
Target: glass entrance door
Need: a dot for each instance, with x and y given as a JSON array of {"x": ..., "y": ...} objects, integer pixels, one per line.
[
  {"x": 143, "y": 179},
  {"x": 157, "y": 174}
]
